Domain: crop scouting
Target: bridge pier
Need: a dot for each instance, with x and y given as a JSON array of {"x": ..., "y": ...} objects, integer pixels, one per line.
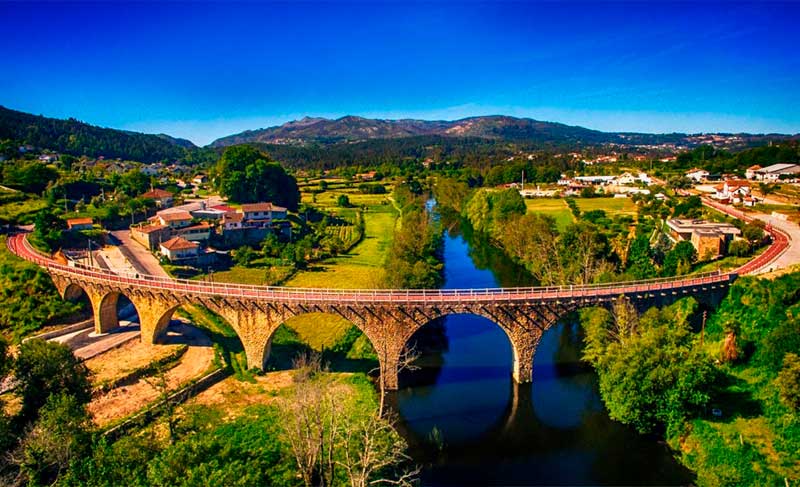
[
  {"x": 104, "y": 310},
  {"x": 155, "y": 312},
  {"x": 255, "y": 326}
]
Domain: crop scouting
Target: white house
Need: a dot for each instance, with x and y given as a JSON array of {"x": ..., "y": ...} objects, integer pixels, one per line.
[
  {"x": 178, "y": 248},
  {"x": 255, "y": 213},
  {"x": 697, "y": 174},
  {"x": 751, "y": 171},
  {"x": 732, "y": 190}
]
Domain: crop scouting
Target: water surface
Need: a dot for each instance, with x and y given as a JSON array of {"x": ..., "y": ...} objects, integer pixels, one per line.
[{"x": 469, "y": 424}]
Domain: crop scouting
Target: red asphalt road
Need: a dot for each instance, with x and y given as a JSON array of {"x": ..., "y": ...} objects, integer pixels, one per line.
[{"x": 20, "y": 246}]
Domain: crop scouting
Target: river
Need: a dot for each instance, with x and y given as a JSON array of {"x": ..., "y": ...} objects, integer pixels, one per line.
[{"x": 469, "y": 424}]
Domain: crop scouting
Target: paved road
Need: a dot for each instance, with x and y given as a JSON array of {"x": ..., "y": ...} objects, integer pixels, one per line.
[
  {"x": 792, "y": 254},
  {"x": 85, "y": 345},
  {"x": 138, "y": 256}
]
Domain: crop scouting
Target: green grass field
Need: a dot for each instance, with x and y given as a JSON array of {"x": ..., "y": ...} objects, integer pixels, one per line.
[
  {"x": 362, "y": 267},
  {"x": 21, "y": 211},
  {"x": 256, "y": 276},
  {"x": 556, "y": 208},
  {"x": 612, "y": 206}
]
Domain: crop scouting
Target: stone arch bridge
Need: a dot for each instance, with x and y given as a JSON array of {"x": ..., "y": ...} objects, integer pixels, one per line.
[{"x": 387, "y": 317}]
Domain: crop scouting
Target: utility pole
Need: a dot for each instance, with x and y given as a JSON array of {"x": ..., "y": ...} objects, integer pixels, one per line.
[
  {"x": 703, "y": 328},
  {"x": 523, "y": 180}
]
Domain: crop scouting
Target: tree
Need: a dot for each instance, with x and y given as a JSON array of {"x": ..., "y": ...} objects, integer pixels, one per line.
[
  {"x": 244, "y": 256},
  {"x": 49, "y": 368},
  {"x": 679, "y": 260},
  {"x": 31, "y": 177},
  {"x": 47, "y": 229},
  {"x": 656, "y": 377},
  {"x": 753, "y": 232},
  {"x": 788, "y": 381},
  {"x": 739, "y": 248},
  {"x": 639, "y": 263},
  {"x": 60, "y": 435},
  {"x": 730, "y": 347},
  {"x": 343, "y": 201},
  {"x": 507, "y": 204},
  {"x": 245, "y": 175},
  {"x": 371, "y": 450}
]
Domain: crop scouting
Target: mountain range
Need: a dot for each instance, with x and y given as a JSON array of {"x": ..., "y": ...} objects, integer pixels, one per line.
[
  {"x": 352, "y": 128},
  {"x": 495, "y": 127},
  {"x": 75, "y": 137}
]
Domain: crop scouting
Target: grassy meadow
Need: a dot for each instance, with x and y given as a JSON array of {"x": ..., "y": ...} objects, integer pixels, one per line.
[
  {"x": 612, "y": 206},
  {"x": 362, "y": 267},
  {"x": 556, "y": 208}
]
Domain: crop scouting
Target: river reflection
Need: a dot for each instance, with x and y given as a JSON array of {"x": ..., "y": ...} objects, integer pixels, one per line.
[{"x": 469, "y": 424}]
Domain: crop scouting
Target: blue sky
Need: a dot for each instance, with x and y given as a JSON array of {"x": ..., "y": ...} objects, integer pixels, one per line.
[{"x": 205, "y": 70}]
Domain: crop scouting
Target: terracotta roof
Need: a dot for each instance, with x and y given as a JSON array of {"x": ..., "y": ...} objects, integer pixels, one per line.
[
  {"x": 754, "y": 168},
  {"x": 157, "y": 194},
  {"x": 261, "y": 207},
  {"x": 696, "y": 169},
  {"x": 79, "y": 221},
  {"x": 150, "y": 228},
  {"x": 233, "y": 217},
  {"x": 179, "y": 243},
  {"x": 173, "y": 216}
]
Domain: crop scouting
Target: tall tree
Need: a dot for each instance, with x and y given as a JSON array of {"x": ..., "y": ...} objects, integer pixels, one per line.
[{"x": 245, "y": 175}]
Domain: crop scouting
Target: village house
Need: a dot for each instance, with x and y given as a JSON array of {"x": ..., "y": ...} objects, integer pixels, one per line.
[
  {"x": 697, "y": 175},
  {"x": 195, "y": 233},
  {"x": 179, "y": 249},
  {"x": 200, "y": 179},
  {"x": 150, "y": 235},
  {"x": 750, "y": 173},
  {"x": 367, "y": 176},
  {"x": 710, "y": 239},
  {"x": 732, "y": 191},
  {"x": 78, "y": 224},
  {"x": 232, "y": 221},
  {"x": 173, "y": 219},
  {"x": 258, "y": 214},
  {"x": 163, "y": 199}
]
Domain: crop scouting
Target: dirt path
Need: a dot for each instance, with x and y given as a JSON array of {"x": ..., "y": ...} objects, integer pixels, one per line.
[{"x": 124, "y": 401}]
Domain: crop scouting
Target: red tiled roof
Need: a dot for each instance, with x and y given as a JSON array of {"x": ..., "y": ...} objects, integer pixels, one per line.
[
  {"x": 157, "y": 194},
  {"x": 150, "y": 228},
  {"x": 79, "y": 221},
  {"x": 261, "y": 207},
  {"x": 179, "y": 243},
  {"x": 172, "y": 216},
  {"x": 233, "y": 217}
]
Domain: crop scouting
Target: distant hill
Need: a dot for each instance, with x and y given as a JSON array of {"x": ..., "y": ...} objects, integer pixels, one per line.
[
  {"x": 351, "y": 128},
  {"x": 496, "y": 127},
  {"x": 74, "y": 137}
]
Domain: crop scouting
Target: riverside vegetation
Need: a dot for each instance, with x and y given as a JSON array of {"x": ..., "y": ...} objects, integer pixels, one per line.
[{"x": 720, "y": 387}]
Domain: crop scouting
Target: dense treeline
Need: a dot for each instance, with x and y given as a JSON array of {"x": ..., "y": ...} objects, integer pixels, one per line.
[
  {"x": 726, "y": 395},
  {"x": 78, "y": 138},
  {"x": 595, "y": 247},
  {"x": 718, "y": 161},
  {"x": 414, "y": 260}
]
